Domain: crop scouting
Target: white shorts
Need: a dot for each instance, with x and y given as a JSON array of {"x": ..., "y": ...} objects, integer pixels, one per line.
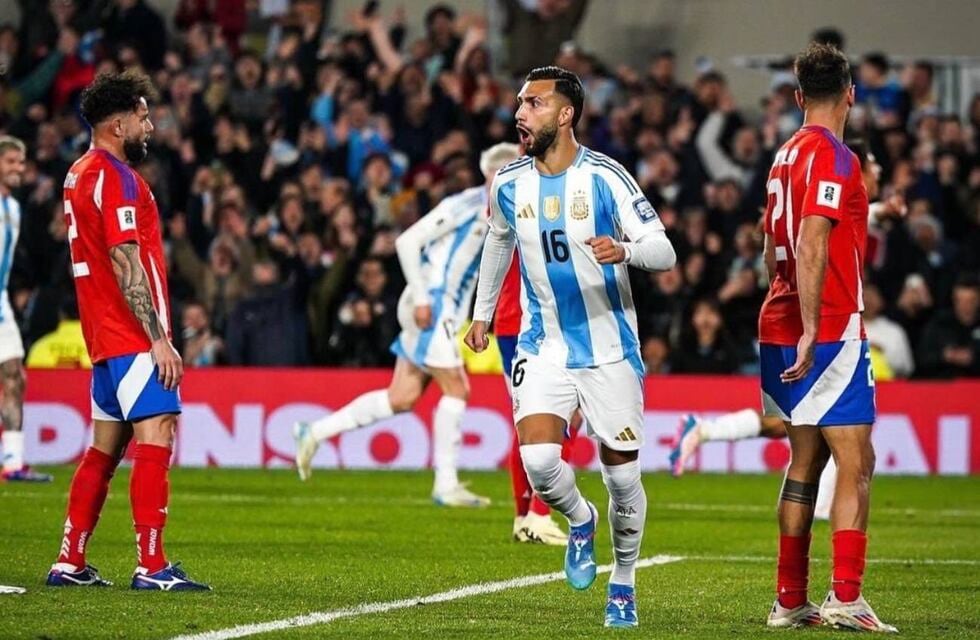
[
  {"x": 11, "y": 345},
  {"x": 435, "y": 347},
  {"x": 610, "y": 396}
]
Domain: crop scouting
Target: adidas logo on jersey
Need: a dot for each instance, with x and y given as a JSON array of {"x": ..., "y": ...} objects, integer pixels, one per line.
[
  {"x": 526, "y": 212},
  {"x": 626, "y": 435}
]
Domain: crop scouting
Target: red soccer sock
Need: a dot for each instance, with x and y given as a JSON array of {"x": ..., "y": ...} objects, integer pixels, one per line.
[
  {"x": 792, "y": 570},
  {"x": 89, "y": 488},
  {"x": 850, "y": 548},
  {"x": 149, "y": 492},
  {"x": 518, "y": 479}
]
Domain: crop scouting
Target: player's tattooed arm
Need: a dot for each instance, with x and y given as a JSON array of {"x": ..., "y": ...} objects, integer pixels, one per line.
[{"x": 135, "y": 287}]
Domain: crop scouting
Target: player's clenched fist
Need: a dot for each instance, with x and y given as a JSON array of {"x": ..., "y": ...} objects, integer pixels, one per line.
[
  {"x": 476, "y": 338},
  {"x": 606, "y": 250}
]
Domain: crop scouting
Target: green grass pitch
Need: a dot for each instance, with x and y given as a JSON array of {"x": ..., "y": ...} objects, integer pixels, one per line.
[{"x": 273, "y": 548}]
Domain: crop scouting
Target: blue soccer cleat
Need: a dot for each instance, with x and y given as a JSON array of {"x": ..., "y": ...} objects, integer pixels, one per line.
[
  {"x": 685, "y": 443},
  {"x": 26, "y": 474},
  {"x": 580, "y": 564},
  {"x": 621, "y": 606},
  {"x": 89, "y": 576},
  {"x": 170, "y": 578}
]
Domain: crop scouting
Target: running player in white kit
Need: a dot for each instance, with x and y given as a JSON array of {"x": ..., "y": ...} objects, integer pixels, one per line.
[{"x": 439, "y": 256}]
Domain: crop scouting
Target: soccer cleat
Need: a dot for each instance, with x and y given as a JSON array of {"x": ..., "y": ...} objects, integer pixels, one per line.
[
  {"x": 580, "y": 564},
  {"x": 62, "y": 576},
  {"x": 621, "y": 606},
  {"x": 686, "y": 442},
  {"x": 26, "y": 474},
  {"x": 459, "y": 496},
  {"x": 539, "y": 529},
  {"x": 170, "y": 578},
  {"x": 306, "y": 446},
  {"x": 805, "y": 615},
  {"x": 857, "y": 615}
]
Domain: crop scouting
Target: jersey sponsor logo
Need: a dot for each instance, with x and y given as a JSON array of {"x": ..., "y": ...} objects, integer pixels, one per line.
[
  {"x": 526, "y": 212},
  {"x": 552, "y": 208},
  {"x": 644, "y": 210},
  {"x": 70, "y": 180},
  {"x": 127, "y": 218},
  {"x": 580, "y": 206},
  {"x": 828, "y": 194}
]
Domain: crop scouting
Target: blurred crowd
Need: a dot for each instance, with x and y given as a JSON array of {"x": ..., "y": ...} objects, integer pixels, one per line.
[{"x": 292, "y": 146}]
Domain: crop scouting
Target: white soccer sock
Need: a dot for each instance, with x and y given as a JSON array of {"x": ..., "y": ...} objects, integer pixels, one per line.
[
  {"x": 732, "y": 426},
  {"x": 13, "y": 450},
  {"x": 825, "y": 493},
  {"x": 447, "y": 437},
  {"x": 627, "y": 515},
  {"x": 362, "y": 411},
  {"x": 554, "y": 481}
]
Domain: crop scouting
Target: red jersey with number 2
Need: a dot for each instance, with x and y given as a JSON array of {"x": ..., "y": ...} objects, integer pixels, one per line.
[
  {"x": 107, "y": 204},
  {"x": 815, "y": 174}
]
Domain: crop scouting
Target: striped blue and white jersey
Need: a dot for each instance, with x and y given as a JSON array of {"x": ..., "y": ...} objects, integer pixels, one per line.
[
  {"x": 577, "y": 312},
  {"x": 9, "y": 232},
  {"x": 440, "y": 254}
]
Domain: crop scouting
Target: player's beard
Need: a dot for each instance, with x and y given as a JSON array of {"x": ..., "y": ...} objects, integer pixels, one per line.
[
  {"x": 135, "y": 151},
  {"x": 543, "y": 140}
]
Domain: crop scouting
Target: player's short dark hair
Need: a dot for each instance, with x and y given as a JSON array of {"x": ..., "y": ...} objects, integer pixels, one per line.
[
  {"x": 112, "y": 93},
  {"x": 566, "y": 83},
  {"x": 823, "y": 72}
]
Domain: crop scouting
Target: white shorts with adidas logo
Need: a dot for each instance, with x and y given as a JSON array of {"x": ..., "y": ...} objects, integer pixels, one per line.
[{"x": 610, "y": 396}]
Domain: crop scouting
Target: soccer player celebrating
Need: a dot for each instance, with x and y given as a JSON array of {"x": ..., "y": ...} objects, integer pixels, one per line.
[
  {"x": 439, "y": 256},
  {"x": 121, "y": 282},
  {"x": 815, "y": 362},
  {"x": 12, "y": 159},
  {"x": 532, "y": 519},
  {"x": 566, "y": 208}
]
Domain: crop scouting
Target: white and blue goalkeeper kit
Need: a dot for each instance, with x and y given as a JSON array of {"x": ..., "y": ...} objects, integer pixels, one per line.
[{"x": 579, "y": 322}]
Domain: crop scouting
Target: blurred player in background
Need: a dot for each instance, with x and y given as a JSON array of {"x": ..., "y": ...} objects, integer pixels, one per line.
[
  {"x": 121, "y": 283},
  {"x": 439, "y": 256},
  {"x": 815, "y": 362},
  {"x": 532, "y": 519},
  {"x": 13, "y": 155},
  {"x": 751, "y": 423},
  {"x": 567, "y": 209}
]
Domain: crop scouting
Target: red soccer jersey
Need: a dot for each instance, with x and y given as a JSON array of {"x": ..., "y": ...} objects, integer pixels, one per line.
[
  {"x": 507, "y": 319},
  {"x": 815, "y": 174},
  {"x": 107, "y": 204}
]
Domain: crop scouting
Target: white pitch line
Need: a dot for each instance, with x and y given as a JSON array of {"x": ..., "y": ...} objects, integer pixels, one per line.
[{"x": 325, "y": 617}]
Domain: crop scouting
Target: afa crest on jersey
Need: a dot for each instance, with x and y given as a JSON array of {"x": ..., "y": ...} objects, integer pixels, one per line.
[{"x": 580, "y": 206}]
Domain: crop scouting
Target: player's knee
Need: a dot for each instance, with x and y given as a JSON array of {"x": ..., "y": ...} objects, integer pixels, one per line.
[
  {"x": 543, "y": 465},
  {"x": 403, "y": 400},
  {"x": 13, "y": 381}
]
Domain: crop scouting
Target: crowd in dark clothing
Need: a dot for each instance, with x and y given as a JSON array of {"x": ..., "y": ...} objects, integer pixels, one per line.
[{"x": 291, "y": 147}]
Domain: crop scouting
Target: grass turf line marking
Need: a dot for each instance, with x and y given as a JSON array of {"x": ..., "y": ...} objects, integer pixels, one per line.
[{"x": 325, "y": 617}]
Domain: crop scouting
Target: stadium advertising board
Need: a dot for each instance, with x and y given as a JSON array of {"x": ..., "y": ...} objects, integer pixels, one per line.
[{"x": 243, "y": 418}]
